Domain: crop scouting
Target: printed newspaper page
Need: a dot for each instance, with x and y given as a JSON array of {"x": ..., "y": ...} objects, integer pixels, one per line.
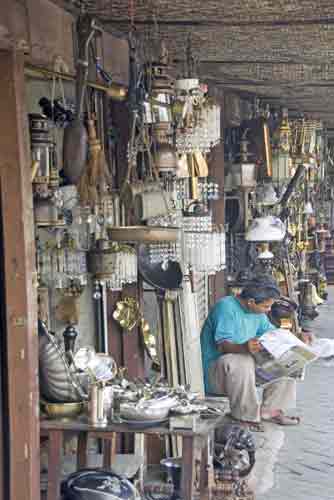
[{"x": 284, "y": 355}]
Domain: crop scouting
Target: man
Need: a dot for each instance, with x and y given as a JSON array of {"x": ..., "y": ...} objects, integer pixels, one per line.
[{"x": 229, "y": 337}]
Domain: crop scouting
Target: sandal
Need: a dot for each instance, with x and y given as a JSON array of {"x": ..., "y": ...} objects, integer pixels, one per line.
[{"x": 282, "y": 419}]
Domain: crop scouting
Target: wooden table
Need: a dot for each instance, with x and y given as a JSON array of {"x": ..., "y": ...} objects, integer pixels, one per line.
[{"x": 201, "y": 439}]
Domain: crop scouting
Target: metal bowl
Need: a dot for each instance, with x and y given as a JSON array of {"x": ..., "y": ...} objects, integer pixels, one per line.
[
  {"x": 153, "y": 409},
  {"x": 130, "y": 411},
  {"x": 63, "y": 410}
]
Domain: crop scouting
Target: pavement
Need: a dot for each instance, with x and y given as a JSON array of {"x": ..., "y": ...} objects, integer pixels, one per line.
[{"x": 297, "y": 463}]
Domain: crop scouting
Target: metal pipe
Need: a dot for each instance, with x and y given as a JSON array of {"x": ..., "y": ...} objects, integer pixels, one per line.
[
  {"x": 292, "y": 185},
  {"x": 115, "y": 91},
  {"x": 98, "y": 317},
  {"x": 105, "y": 346}
]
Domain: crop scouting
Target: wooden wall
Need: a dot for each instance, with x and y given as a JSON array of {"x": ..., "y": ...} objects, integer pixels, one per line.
[
  {"x": 44, "y": 31},
  {"x": 34, "y": 32}
]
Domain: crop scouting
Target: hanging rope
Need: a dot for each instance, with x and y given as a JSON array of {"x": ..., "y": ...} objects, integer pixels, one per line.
[{"x": 132, "y": 13}]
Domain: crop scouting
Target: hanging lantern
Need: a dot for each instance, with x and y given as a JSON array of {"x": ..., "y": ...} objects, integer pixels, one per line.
[
  {"x": 158, "y": 112},
  {"x": 162, "y": 92},
  {"x": 244, "y": 173},
  {"x": 44, "y": 172}
]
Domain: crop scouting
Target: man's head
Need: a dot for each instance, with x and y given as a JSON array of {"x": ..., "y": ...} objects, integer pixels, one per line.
[{"x": 260, "y": 294}]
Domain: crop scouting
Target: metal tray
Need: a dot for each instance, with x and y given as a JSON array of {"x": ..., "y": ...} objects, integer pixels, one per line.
[{"x": 144, "y": 424}]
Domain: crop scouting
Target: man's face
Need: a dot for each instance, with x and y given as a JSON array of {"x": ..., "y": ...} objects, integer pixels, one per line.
[{"x": 260, "y": 308}]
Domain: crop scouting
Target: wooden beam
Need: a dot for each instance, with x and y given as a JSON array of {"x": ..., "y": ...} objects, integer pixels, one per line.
[
  {"x": 222, "y": 22},
  {"x": 265, "y": 62},
  {"x": 20, "y": 280},
  {"x": 273, "y": 83}
]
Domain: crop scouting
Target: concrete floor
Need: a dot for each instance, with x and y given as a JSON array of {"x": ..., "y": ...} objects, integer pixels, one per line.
[{"x": 297, "y": 463}]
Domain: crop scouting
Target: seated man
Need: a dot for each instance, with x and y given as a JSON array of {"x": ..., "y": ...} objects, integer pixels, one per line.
[{"x": 228, "y": 339}]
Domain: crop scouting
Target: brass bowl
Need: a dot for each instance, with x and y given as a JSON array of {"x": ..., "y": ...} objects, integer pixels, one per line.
[{"x": 63, "y": 410}]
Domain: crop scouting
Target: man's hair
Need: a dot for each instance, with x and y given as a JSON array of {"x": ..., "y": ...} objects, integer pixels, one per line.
[{"x": 260, "y": 289}]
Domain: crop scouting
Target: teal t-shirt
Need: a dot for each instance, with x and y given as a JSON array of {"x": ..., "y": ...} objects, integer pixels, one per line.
[{"x": 229, "y": 320}]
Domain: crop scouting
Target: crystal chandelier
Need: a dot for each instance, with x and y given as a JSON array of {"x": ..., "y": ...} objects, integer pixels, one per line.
[
  {"x": 197, "y": 118},
  {"x": 61, "y": 264},
  {"x": 203, "y": 244}
]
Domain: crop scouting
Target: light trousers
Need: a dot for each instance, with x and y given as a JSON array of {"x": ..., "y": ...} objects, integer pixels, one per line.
[{"x": 234, "y": 376}]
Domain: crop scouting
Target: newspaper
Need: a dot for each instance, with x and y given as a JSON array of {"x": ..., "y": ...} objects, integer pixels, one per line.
[
  {"x": 283, "y": 355},
  {"x": 323, "y": 348}
]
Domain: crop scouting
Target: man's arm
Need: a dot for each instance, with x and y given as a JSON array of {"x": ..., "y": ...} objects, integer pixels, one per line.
[
  {"x": 265, "y": 326},
  {"x": 227, "y": 347}
]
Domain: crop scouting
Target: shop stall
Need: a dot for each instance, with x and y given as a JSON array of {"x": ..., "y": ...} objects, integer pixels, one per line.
[{"x": 135, "y": 193}]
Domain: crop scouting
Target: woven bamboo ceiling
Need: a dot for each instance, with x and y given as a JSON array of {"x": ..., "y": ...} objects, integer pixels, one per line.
[{"x": 282, "y": 50}]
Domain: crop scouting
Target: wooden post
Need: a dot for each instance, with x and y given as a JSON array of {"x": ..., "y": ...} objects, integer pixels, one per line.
[
  {"x": 216, "y": 171},
  {"x": 19, "y": 279}
]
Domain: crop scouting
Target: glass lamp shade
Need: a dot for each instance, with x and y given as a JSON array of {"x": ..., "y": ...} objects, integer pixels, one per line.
[
  {"x": 267, "y": 228},
  {"x": 183, "y": 85},
  {"x": 265, "y": 255},
  {"x": 266, "y": 194},
  {"x": 244, "y": 175},
  {"x": 160, "y": 111}
]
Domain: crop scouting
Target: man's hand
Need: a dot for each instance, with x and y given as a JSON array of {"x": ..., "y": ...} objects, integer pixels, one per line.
[
  {"x": 254, "y": 345},
  {"x": 307, "y": 337}
]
